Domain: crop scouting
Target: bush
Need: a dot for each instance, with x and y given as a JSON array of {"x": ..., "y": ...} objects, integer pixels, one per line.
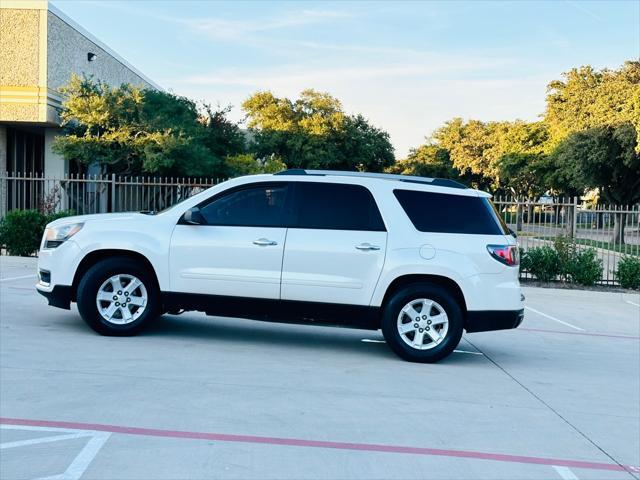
[
  {"x": 566, "y": 249},
  {"x": 22, "y": 230},
  {"x": 541, "y": 262},
  {"x": 564, "y": 260},
  {"x": 584, "y": 267},
  {"x": 628, "y": 273}
]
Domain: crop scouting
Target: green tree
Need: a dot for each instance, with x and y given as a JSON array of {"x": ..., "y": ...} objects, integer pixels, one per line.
[
  {"x": 587, "y": 98},
  {"x": 481, "y": 149},
  {"x": 468, "y": 144},
  {"x": 362, "y": 145},
  {"x": 314, "y": 132},
  {"x": 133, "y": 131},
  {"x": 248, "y": 164},
  {"x": 426, "y": 161},
  {"x": 607, "y": 158}
]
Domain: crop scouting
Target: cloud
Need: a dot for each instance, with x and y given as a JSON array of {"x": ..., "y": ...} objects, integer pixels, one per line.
[
  {"x": 408, "y": 98},
  {"x": 285, "y": 76},
  {"x": 583, "y": 9},
  {"x": 227, "y": 29}
]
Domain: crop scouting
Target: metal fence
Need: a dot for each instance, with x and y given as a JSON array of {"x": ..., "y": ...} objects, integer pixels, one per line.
[
  {"x": 611, "y": 230},
  {"x": 85, "y": 194}
]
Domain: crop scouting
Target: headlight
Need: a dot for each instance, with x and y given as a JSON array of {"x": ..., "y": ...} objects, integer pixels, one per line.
[{"x": 55, "y": 236}]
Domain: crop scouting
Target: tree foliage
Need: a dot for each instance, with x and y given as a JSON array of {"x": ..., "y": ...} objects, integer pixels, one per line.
[
  {"x": 606, "y": 158},
  {"x": 581, "y": 143},
  {"x": 426, "y": 161},
  {"x": 138, "y": 131},
  {"x": 587, "y": 98},
  {"x": 497, "y": 154},
  {"x": 314, "y": 132}
]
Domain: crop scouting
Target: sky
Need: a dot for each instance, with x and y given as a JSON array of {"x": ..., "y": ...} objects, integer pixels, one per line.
[{"x": 406, "y": 66}]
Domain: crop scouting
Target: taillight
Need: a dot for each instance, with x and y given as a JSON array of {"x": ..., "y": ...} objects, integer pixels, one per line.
[{"x": 507, "y": 254}]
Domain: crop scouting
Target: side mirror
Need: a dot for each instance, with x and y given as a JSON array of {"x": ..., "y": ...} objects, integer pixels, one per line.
[
  {"x": 513, "y": 233},
  {"x": 193, "y": 217}
]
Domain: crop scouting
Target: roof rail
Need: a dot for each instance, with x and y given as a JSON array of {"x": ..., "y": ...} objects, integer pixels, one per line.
[{"x": 440, "y": 182}]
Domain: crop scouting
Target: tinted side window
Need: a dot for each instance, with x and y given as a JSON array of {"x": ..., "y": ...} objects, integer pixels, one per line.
[
  {"x": 439, "y": 212},
  {"x": 259, "y": 206},
  {"x": 335, "y": 206}
]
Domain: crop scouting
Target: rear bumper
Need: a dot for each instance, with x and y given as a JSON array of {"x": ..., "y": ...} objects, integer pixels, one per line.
[
  {"x": 487, "y": 320},
  {"x": 59, "y": 296}
]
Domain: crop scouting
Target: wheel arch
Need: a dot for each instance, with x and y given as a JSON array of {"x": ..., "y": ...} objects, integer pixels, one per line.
[
  {"x": 446, "y": 282},
  {"x": 95, "y": 256}
]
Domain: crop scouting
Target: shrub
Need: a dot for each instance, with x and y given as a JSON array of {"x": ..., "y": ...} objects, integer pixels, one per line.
[
  {"x": 541, "y": 262},
  {"x": 584, "y": 267},
  {"x": 566, "y": 249},
  {"x": 628, "y": 273},
  {"x": 22, "y": 230}
]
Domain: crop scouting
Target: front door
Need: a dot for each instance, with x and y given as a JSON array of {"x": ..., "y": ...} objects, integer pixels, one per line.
[
  {"x": 336, "y": 246},
  {"x": 239, "y": 250}
]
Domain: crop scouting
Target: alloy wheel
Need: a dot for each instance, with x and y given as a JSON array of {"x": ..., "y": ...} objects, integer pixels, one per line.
[
  {"x": 423, "y": 324},
  {"x": 121, "y": 299}
]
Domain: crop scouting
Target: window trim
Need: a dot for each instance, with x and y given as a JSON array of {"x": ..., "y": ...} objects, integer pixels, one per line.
[
  {"x": 295, "y": 212},
  {"x": 286, "y": 216}
]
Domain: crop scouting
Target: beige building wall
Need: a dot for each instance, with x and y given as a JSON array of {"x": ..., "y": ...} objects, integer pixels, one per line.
[
  {"x": 67, "y": 50},
  {"x": 23, "y": 78},
  {"x": 40, "y": 48},
  {"x": 68, "y": 45}
]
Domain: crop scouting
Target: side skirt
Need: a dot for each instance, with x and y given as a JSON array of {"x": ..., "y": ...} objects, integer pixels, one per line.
[{"x": 283, "y": 311}]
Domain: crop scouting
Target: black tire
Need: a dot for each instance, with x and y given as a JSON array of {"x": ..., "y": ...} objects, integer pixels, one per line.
[
  {"x": 404, "y": 296},
  {"x": 93, "y": 279}
]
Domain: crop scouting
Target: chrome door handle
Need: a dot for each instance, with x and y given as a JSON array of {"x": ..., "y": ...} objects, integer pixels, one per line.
[
  {"x": 367, "y": 246},
  {"x": 264, "y": 242}
]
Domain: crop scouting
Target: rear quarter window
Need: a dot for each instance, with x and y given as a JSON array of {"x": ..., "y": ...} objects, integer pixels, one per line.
[{"x": 449, "y": 213}]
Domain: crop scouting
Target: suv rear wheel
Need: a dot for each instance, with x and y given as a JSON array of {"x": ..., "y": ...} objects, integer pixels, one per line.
[
  {"x": 422, "y": 322},
  {"x": 118, "y": 297}
]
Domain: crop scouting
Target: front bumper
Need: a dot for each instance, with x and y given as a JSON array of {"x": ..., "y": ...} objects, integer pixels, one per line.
[
  {"x": 488, "y": 320},
  {"x": 58, "y": 296}
]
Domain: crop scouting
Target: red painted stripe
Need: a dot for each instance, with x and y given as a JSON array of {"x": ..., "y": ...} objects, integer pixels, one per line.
[
  {"x": 295, "y": 442},
  {"x": 588, "y": 334}
]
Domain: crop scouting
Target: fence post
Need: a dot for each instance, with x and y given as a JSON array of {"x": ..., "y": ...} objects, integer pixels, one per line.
[
  {"x": 113, "y": 192},
  {"x": 574, "y": 225}
]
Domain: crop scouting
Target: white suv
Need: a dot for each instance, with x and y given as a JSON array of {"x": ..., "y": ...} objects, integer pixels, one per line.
[{"x": 422, "y": 259}]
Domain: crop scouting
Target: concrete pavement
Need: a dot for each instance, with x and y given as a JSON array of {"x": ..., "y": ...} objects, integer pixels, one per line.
[{"x": 199, "y": 397}]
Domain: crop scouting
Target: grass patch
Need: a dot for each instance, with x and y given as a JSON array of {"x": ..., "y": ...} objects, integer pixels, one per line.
[{"x": 626, "y": 249}]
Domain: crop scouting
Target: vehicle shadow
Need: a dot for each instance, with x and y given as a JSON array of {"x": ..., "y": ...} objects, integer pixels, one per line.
[
  {"x": 254, "y": 332},
  {"x": 270, "y": 334}
]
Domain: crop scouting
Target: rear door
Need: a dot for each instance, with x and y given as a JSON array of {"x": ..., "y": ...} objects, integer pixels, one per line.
[
  {"x": 336, "y": 246},
  {"x": 238, "y": 251}
]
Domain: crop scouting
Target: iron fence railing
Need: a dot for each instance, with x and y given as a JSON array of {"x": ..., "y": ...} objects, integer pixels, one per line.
[
  {"x": 612, "y": 230},
  {"x": 96, "y": 194}
]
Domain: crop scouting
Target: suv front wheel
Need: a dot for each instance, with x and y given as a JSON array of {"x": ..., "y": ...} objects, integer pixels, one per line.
[
  {"x": 422, "y": 322},
  {"x": 118, "y": 297}
]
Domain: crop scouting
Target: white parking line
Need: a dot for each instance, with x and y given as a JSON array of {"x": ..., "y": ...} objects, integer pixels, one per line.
[
  {"x": 34, "y": 441},
  {"x": 79, "y": 464},
  {"x": 86, "y": 456},
  {"x": 633, "y": 303},
  {"x": 554, "y": 319},
  {"x": 565, "y": 473},
  {"x": 17, "y": 278}
]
